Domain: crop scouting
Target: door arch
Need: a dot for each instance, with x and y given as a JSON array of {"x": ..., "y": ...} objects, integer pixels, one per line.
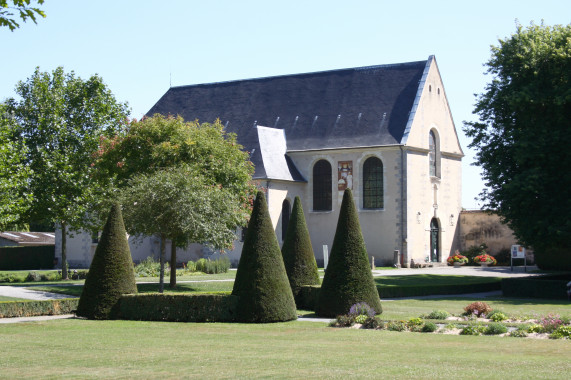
[{"x": 434, "y": 240}]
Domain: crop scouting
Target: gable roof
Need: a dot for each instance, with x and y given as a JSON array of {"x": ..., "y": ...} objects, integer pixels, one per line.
[
  {"x": 29, "y": 238},
  {"x": 356, "y": 107}
]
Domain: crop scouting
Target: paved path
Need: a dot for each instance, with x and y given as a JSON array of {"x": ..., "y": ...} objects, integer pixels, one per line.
[
  {"x": 20, "y": 292},
  {"x": 461, "y": 271}
]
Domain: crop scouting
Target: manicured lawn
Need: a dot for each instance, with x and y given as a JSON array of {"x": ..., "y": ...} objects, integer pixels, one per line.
[
  {"x": 432, "y": 280},
  {"x": 296, "y": 350},
  {"x": 10, "y": 299}
]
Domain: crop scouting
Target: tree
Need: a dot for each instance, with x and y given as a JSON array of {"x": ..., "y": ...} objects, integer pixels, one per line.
[
  {"x": 181, "y": 205},
  {"x": 220, "y": 174},
  {"x": 61, "y": 119},
  {"x": 22, "y": 8},
  {"x": 523, "y": 137},
  {"x": 14, "y": 201},
  {"x": 261, "y": 280},
  {"x": 111, "y": 273},
  {"x": 297, "y": 252},
  {"x": 348, "y": 278}
]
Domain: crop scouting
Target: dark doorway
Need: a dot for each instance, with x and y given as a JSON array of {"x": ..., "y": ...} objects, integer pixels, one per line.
[
  {"x": 286, "y": 211},
  {"x": 434, "y": 239}
]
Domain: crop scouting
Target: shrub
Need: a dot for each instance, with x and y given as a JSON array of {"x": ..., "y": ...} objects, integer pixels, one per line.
[
  {"x": 562, "y": 332},
  {"x": 535, "y": 328},
  {"x": 33, "y": 277},
  {"x": 178, "y": 307},
  {"x": 360, "y": 319},
  {"x": 201, "y": 265},
  {"x": 373, "y": 323},
  {"x": 437, "y": 314},
  {"x": 551, "y": 322},
  {"x": 397, "y": 326},
  {"x": 148, "y": 268},
  {"x": 261, "y": 280},
  {"x": 414, "y": 322},
  {"x": 497, "y": 316},
  {"x": 479, "y": 309},
  {"x": 472, "y": 330},
  {"x": 220, "y": 265},
  {"x": 429, "y": 327},
  {"x": 518, "y": 334},
  {"x": 343, "y": 321},
  {"x": 474, "y": 251},
  {"x": 35, "y": 308},
  {"x": 504, "y": 256},
  {"x": 30, "y": 257},
  {"x": 111, "y": 273},
  {"x": 361, "y": 308},
  {"x": 495, "y": 329},
  {"x": 348, "y": 279},
  {"x": 11, "y": 278}
]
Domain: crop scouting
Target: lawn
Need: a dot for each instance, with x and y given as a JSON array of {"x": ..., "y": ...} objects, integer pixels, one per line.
[{"x": 295, "y": 350}]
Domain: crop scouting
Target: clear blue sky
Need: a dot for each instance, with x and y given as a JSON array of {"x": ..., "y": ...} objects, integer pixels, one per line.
[{"x": 139, "y": 47}]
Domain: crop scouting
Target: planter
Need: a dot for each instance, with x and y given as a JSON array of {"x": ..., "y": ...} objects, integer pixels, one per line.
[
  {"x": 484, "y": 265},
  {"x": 458, "y": 265}
]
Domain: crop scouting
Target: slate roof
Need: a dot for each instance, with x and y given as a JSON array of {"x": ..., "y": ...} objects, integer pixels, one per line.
[
  {"x": 356, "y": 107},
  {"x": 29, "y": 238}
]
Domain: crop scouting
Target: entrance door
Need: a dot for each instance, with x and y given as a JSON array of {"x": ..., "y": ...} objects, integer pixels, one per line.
[{"x": 434, "y": 238}]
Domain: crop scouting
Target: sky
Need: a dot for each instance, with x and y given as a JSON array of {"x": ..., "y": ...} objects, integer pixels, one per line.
[{"x": 141, "y": 47}]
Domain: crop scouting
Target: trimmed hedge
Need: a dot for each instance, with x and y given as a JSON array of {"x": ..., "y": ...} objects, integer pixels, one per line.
[
  {"x": 297, "y": 252},
  {"x": 10, "y": 309},
  {"x": 178, "y": 307},
  {"x": 348, "y": 278},
  {"x": 261, "y": 280},
  {"x": 111, "y": 273},
  {"x": 550, "y": 287},
  {"x": 24, "y": 258}
]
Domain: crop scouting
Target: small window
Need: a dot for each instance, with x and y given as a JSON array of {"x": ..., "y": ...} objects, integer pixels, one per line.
[
  {"x": 286, "y": 212},
  {"x": 373, "y": 183},
  {"x": 322, "y": 184},
  {"x": 433, "y": 155}
]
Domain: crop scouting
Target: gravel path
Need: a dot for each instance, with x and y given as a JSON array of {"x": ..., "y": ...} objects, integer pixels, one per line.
[{"x": 20, "y": 292}]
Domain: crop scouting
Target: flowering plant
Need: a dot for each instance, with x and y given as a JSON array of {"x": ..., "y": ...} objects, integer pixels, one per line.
[
  {"x": 486, "y": 259},
  {"x": 457, "y": 258}
]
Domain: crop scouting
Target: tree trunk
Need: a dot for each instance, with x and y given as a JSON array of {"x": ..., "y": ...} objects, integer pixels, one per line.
[
  {"x": 173, "y": 265},
  {"x": 64, "y": 267},
  {"x": 162, "y": 261}
]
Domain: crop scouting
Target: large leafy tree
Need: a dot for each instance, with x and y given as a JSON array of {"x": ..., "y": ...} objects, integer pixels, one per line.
[
  {"x": 192, "y": 179},
  {"x": 61, "y": 119},
  {"x": 9, "y": 9},
  {"x": 14, "y": 200},
  {"x": 523, "y": 137}
]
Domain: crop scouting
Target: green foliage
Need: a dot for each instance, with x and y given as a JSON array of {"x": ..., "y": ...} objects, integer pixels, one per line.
[
  {"x": 497, "y": 316},
  {"x": 14, "y": 200},
  {"x": 473, "y": 330},
  {"x": 343, "y": 320},
  {"x": 35, "y": 308},
  {"x": 33, "y": 257},
  {"x": 549, "y": 287},
  {"x": 562, "y": 332},
  {"x": 297, "y": 251},
  {"x": 473, "y": 251},
  {"x": 24, "y": 11},
  {"x": 373, "y": 323},
  {"x": 522, "y": 138},
  {"x": 397, "y": 326},
  {"x": 348, "y": 279},
  {"x": 429, "y": 327},
  {"x": 437, "y": 314},
  {"x": 261, "y": 280},
  {"x": 111, "y": 273},
  {"x": 414, "y": 322},
  {"x": 147, "y": 268},
  {"x": 178, "y": 307},
  {"x": 220, "y": 265},
  {"x": 518, "y": 334},
  {"x": 495, "y": 329},
  {"x": 535, "y": 328}
]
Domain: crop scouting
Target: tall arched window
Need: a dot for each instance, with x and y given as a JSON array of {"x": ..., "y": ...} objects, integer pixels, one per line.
[
  {"x": 322, "y": 186},
  {"x": 373, "y": 183},
  {"x": 286, "y": 212},
  {"x": 433, "y": 155}
]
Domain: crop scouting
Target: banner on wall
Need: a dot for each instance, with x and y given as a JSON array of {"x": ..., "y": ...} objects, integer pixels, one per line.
[{"x": 344, "y": 175}]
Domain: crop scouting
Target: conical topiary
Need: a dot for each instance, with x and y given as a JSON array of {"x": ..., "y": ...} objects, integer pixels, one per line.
[
  {"x": 111, "y": 272},
  {"x": 297, "y": 252},
  {"x": 348, "y": 278},
  {"x": 261, "y": 281}
]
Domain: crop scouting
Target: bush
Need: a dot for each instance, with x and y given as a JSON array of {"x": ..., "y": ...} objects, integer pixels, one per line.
[
  {"x": 361, "y": 308},
  {"x": 297, "y": 251},
  {"x": 414, "y": 322},
  {"x": 373, "y": 323},
  {"x": 178, "y": 307},
  {"x": 497, "y": 316},
  {"x": 535, "y": 328},
  {"x": 208, "y": 266},
  {"x": 111, "y": 273},
  {"x": 360, "y": 319},
  {"x": 343, "y": 321},
  {"x": 348, "y": 279},
  {"x": 562, "y": 332},
  {"x": 551, "y": 322},
  {"x": 518, "y": 334},
  {"x": 550, "y": 287},
  {"x": 429, "y": 327},
  {"x": 437, "y": 314},
  {"x": 496, "y": 329},
  {"x": 479, "y": 309},
  {"x": 474, "y": 251},
  {"x": 472, "y": 330},
  {"x": 12, "y": 309},
  {"x": 33, "y": 277},
  {"x": 23, "y": 258},
  {"x": 397, "y": 326},
  {"x": 148, "y": 268},
  {"x": 261, "y": 280},
  {"x": 504, "y": 256}
]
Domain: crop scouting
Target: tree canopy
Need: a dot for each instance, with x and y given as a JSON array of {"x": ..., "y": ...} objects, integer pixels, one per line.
[
  {"x": 61, "y": 119},
  {"x": 14, "y": 200},
  {"x": 523, "y": 137},
  {"x": 22, "y": 9}
]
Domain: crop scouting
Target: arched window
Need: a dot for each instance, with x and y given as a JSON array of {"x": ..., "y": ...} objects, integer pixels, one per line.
[
  {"x": 373, "y": 183},
  {"x": 433, "y": 155},
  {"x": 286, "y": 212},
  {"x": 322, "y": 186}
]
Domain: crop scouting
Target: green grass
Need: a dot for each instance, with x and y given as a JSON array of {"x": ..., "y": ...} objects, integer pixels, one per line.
[
  {"x": 125, "y": 349},
  {"x": 10, "y": 299},
  {"x": 432, "y": 280}
]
